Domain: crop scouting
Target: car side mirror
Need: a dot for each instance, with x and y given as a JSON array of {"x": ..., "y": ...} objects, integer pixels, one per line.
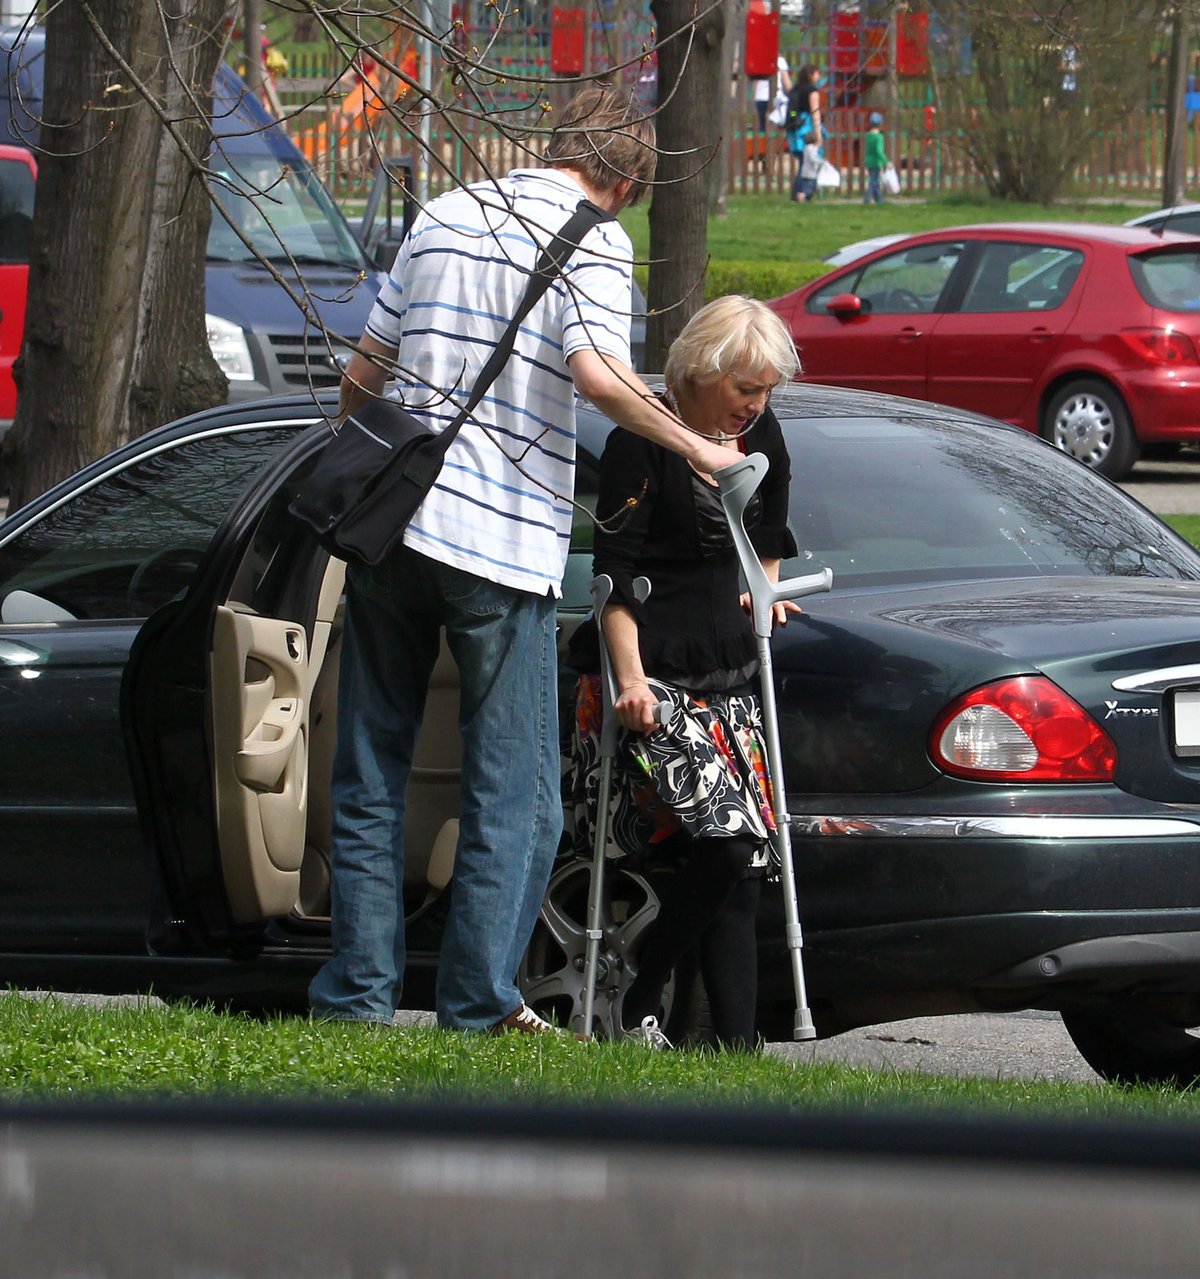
[{"x": 844, "y": 305}]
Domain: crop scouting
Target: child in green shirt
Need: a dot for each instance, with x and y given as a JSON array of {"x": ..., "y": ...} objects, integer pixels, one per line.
[{"x": 874, "y": 158}]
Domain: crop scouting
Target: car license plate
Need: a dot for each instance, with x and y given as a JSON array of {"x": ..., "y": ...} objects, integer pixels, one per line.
[{"x": 1187, "y": 723}]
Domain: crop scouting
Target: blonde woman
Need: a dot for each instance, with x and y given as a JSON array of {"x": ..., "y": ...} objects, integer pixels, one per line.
[{"x": 692, "y": 791}]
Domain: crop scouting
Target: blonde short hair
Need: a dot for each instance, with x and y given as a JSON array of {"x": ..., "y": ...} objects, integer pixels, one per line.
[
  {"x": 605, "y": 137},
  {"x": 732, "y": 335}
]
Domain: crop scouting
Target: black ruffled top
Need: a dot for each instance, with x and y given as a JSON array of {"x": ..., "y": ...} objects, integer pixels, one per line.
[{"x": 692, "y": 630}]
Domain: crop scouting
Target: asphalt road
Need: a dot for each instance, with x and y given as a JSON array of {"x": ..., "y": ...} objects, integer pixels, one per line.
[
  {"x": 1027, "y": 1045},
  {"x": 1168, "y": 488}
]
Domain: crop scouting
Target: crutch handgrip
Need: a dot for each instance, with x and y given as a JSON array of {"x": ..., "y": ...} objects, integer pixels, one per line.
[{"x": 737, "y": 484}]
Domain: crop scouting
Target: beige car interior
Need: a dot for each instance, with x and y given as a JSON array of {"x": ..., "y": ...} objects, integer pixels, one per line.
[
  {"x": 274, "y": 711},
  {"x": 274, "y": 724}
]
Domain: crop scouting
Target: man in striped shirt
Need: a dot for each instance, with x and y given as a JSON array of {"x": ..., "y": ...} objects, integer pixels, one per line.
[{"x": 483, "y": 558}]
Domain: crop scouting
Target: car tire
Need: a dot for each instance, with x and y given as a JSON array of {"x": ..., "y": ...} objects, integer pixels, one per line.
[
  {"x": 1128, "y": 1048},
  {"x": 1089, "y": 420}
]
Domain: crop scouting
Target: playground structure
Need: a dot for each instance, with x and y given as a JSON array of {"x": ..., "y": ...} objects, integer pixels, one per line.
[
  {"x": 360, "y": 105},
  {"x": 343, "y": 117}
]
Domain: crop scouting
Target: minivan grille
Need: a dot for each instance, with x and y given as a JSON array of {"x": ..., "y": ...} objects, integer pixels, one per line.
[{"x": 305, "y": 360}]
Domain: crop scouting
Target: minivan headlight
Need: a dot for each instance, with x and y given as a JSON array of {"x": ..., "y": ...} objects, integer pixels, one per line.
[{"x": 229, "y": 349}]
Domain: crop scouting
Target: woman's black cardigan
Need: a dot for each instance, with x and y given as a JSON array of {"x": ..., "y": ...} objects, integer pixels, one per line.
[{"x": 692, "y": 626}]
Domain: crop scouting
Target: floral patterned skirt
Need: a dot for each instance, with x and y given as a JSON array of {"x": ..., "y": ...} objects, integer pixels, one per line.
[{"x": 703, "y": 772}]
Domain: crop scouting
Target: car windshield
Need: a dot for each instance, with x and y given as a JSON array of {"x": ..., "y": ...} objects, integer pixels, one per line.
[
  {"x": 283, "y": 211},
  {"x": 1169, "y": 280},
  {"x": 884, "y": 500}
]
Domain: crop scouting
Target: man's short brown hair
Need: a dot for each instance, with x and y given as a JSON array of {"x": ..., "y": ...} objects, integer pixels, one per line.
[{"x": 605, "y": 137}]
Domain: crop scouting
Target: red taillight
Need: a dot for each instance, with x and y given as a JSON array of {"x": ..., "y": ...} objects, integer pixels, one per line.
[
  {"x": 1024, "y": 729},
  {"x": 1160, "y": 346}
]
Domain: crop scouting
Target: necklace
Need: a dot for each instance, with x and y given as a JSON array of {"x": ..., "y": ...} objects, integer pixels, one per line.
[{"x": 720, "y": 437}]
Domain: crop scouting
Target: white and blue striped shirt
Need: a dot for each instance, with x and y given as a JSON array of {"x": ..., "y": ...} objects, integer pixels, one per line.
[{"x": 456, "y": 283}]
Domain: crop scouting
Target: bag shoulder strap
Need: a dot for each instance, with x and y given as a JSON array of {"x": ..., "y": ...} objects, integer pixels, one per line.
[{"x": 549, "y": 264}]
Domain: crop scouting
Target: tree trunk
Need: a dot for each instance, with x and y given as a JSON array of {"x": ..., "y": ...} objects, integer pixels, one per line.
[
  {"x": 731, "y": 76},
  {"x": 689, "y": 82},
  {"x": 252, "y": 45},
  {"x": 115, "y": 338},
  {"x": 1175, "y": 162}
]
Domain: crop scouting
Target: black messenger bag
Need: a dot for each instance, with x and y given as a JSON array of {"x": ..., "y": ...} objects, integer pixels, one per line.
[{"x": 374, "y": 473}]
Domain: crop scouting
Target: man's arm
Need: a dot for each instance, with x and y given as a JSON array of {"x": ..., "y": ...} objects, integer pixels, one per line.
[
  {"x": 618, "y": 392},
  {"x": 365, "y": 378}
]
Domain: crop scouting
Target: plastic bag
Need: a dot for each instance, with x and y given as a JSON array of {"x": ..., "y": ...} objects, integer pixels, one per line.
[
  {"x": 890, "y": 179},
  {"x": 778, "y": 112},
  {"x": 828, "y": 175}
]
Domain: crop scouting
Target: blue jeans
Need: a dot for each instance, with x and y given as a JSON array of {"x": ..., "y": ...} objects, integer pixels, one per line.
[
  {"x": 511, "y": 812},
  {"x": 874, "y": 193}
]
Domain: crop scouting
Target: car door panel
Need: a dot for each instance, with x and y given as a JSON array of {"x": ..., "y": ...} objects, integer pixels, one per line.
[
  {"x": 260, "y": 682},
  {"x": 990, "y": 363},
  {"x": 990, "y": 353},
  {"x": 870, "y": 352}
]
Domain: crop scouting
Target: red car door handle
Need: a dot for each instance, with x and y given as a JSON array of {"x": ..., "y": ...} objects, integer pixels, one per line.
[
  {"x": 908, "y": 335},
  {"x": 1040, "y": 334}
]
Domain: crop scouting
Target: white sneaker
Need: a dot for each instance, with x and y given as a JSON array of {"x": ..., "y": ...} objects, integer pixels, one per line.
[{"x": 649, "y": 1034}]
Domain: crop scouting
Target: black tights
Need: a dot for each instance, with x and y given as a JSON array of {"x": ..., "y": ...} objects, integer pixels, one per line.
[{"x": 710, "y": 904}]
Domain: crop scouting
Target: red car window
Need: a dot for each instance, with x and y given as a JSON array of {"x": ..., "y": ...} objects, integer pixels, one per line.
[
  {"x": 1169, "y": 280},
  {"x": 1022, "y": 277},
  {"x": 910, "y": 281}
]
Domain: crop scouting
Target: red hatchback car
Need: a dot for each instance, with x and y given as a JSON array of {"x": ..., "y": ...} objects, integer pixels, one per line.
[{"x": 1086, "y": 334}]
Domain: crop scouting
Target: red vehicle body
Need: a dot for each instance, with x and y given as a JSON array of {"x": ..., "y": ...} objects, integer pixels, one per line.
[
  {"x": 18, "y": 178},
  {"x": 1087, "y": 334}
]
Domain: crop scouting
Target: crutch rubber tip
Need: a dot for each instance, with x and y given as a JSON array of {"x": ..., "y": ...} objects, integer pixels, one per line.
[{"x": 803, "y": 1028}]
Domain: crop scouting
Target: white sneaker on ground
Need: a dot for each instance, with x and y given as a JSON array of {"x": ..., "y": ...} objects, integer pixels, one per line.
[{"x": 649, "y": 1034}]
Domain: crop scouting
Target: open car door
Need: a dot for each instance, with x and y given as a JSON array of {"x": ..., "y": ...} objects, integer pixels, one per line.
[
  {"x": 217, "y": 710},
  {"x": 231, "y": 713}
]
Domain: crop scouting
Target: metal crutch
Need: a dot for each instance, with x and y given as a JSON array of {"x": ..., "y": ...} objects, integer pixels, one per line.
[
  {"x": 601, "y": 589},
  {"x": 737, "y": 485}
]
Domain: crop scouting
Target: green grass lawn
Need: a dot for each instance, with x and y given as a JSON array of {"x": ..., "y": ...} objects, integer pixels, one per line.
[
  {"x": 55, "y": 1050},
  {"x": 770, "y": 229},
  {"x": 1186, "y": 525}
]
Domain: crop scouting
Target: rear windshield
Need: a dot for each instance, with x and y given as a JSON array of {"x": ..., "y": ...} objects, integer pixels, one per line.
[
  {"x": 1169, "y": 281},
  {"x": 882, "y": 501}
]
